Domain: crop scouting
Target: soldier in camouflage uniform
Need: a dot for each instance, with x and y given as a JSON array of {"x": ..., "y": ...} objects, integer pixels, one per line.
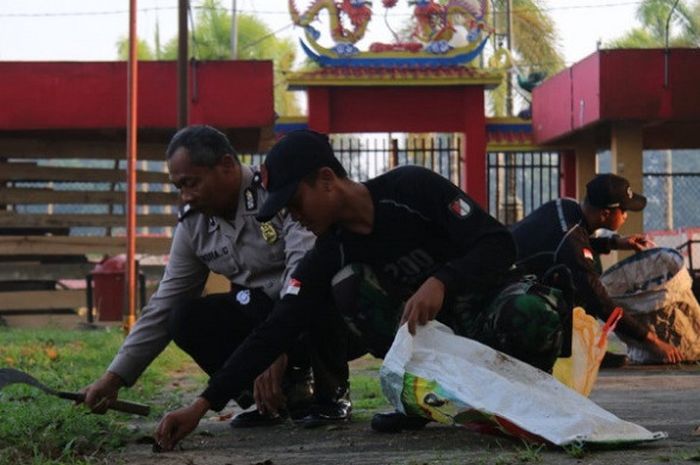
[{"x": 405, "y": 247}]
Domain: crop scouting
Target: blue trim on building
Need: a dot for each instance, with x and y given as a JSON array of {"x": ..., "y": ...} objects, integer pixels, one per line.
[
  {"x": 388, "y": 62},
  {"x": 508, "y": 127},
  {"x": 284, "y": 128}
]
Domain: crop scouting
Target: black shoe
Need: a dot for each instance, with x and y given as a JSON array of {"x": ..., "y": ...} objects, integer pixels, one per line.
[
  {"x": 395, "y": 422},
  {"x": 255, "y": 419},
  {"x": 298, "y": 388},
  {"x": 328, "y": 412}
]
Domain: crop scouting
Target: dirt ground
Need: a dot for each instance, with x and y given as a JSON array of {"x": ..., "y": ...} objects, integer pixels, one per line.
[{"x": 658, "y": 398}]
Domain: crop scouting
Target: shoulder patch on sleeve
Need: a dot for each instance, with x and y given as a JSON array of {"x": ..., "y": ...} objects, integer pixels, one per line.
[
  {"x": 460, "y": 207},
  {"x": 293, "y": 287}
]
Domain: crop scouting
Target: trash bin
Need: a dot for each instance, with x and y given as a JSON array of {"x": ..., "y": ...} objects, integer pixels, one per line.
[{"x": 105, "y": 289}]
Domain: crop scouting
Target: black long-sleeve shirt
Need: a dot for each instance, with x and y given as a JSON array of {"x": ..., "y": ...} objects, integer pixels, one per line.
[
  {"x": 423, "y": 226},
  {"x": 557, "y": 233}
]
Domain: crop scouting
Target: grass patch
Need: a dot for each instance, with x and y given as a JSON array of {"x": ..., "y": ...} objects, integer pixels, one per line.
[
  {"x": 576, "y": 450},
  {"x": 39, "y": 429},
  {"x": 366, "y": 393},
  {"x": 43, "y": 430},
  {"x": 365, "y": 389},
  {"x": 530, "y": 453}
]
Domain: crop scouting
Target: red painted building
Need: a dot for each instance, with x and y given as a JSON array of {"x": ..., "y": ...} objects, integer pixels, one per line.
[
  {"x": 87, "y": 100},
  {"x": 624, "y": 100}
]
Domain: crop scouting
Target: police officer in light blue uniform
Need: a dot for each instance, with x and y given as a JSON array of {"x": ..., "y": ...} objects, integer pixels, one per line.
[{"x": 217, "y": 231}]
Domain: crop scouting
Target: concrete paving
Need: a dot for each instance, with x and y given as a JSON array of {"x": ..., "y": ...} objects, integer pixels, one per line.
[{"x": 658, "y": 398}]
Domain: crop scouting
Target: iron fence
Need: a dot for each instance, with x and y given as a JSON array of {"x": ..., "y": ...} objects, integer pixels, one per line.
[
  {"x": 367, "y": 157},
  {"x": 672, "y": 200},
  {"x": 519, "y": 182},
  {"x": 370, "y": 157}
]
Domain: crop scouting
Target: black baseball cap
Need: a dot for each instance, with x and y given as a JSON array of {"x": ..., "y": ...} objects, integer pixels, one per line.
[
  {"x": 612, "y": 191},
  {"x": 288, "y": 162}
]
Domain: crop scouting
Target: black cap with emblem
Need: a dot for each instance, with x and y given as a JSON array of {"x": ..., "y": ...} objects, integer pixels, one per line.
[
  {"x": 612, "y": 191},
  {"x": 288, "y": 162}
]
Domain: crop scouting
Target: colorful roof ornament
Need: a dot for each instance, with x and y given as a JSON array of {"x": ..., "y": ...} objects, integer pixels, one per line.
[{"x": 444, "y": 34}]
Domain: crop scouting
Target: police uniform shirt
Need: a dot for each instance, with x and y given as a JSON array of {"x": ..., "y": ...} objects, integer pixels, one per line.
[
  {"x": 248, "y": 253},
  {"x": 423, "y": 226},
  {"x": 557, "y": 233}
]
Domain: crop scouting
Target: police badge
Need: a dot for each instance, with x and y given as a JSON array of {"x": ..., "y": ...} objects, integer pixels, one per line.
[
  {"x": 268, "y": 232},
  {"x": 243, "y": 297}
]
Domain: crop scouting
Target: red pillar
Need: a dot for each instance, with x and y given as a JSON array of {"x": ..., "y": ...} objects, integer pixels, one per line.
[
  {"x": 474, "y": 173},
  {"x": 568, "y": 174},
  {"x": 319, "y": 109}
]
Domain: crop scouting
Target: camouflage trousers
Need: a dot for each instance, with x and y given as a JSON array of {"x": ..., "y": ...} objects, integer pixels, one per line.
[{"x": 521, "y": 320}]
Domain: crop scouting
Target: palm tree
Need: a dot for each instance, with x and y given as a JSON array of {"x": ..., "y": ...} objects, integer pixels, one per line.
[
  {"x": 210, "y": 40},
  {"x": 684, "y": 26},
  {"x": 535, "y": 43}
]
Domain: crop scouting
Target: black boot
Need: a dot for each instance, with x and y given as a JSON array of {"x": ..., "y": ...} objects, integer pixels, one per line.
[
  {"x": 298, "y": 388},
  {"x": 336, "y": 409},
  {"x": 395, "y": 422}
]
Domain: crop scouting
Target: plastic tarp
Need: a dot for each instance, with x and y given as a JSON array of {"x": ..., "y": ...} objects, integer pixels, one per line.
[
  {"x": 654, "y": 285},
  {"x": 458, "y": 381}
]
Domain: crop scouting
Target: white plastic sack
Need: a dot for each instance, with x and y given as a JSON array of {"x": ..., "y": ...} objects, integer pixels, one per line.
[
  {"x": 656, "y": 288},
  {"x": 458, "y": 381}
]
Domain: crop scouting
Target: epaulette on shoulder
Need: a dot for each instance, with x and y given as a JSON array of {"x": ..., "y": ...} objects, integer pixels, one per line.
[
  {"x": 184, "y": 211},
  {"x": 257, "y": 177}
]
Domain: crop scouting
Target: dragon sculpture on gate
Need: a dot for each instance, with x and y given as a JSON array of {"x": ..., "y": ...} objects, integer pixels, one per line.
[{"x": 435, "y": 35}]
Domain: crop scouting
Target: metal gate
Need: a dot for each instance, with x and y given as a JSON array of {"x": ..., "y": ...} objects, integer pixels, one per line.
[
  {"x": 519, "y": 182},
  {"x": 365, "y": 158},
  {"x": 370, "y": 155}
]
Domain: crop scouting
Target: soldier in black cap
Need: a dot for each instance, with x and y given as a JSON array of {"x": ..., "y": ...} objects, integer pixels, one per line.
[
  {"x": 561, "y": 232},
  {"x": 405, "y": 247}
]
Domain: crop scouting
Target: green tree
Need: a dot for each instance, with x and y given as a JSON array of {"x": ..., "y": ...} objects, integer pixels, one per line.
[
  {"x": 535, "y": 44},
  {"x": 684, "y": 26},
  {"x": 210, "y": 39},
  {"x": 143, "y": 49}
]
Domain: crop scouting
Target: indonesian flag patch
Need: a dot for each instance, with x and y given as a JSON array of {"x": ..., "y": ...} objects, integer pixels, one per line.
[
  {"x": 293, "y": 287},
  {"x": 460, "y": 207},
  {"x": 587, "y": 253}
]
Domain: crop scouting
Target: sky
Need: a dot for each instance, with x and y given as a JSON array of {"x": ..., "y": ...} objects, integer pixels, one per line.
[{"x": 87, "y": 30}]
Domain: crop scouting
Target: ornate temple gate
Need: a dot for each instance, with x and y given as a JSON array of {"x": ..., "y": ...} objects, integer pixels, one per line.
[{"x": 420, "y": 86}]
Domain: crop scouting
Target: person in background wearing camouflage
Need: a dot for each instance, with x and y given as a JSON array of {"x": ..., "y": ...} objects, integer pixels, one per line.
[
  {"x": 560, "y": 232},
  {"x": 405, "y": 247},
  {"x": 218, "y": 231}
]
